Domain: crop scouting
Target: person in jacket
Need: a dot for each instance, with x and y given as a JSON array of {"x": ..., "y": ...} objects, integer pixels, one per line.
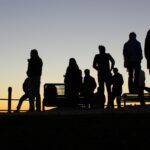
[
  {"x": 73, "y": 82},
  {"x": 132, "y": 53},
  {"x": 34, "y": 72}
]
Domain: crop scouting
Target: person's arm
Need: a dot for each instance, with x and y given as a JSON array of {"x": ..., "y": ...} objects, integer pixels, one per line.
[
  {"x": 125, "y": 55},
  {"x": 122, "y": 81},
  {"x": 112, "y": 62},
  {"x": 95, "y": 63},
  {"x": 140, "y": 52},
  {"x": 146, "y": 48}
]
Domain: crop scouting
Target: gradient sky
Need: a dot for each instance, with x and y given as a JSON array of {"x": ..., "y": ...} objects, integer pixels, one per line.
[{"x": 61, "y": 29}]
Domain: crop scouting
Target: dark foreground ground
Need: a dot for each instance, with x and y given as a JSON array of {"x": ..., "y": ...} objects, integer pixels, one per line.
[{"x": 74, "y": 129}]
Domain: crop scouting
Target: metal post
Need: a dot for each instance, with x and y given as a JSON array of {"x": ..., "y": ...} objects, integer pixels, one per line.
[{"x": 9, "y": 99}]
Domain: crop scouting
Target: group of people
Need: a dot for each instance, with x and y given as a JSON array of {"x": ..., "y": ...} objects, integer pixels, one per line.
[
  {"x": 104, "y": 64},
  {"x": 132, "y": 53}
]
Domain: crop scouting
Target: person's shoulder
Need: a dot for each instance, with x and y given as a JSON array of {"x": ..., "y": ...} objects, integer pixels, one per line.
[
  {"x": 138, "y": 42},
  {"x": 128, "y": 41},
  {"x": 40, "y": 59},
  {"x": 91, "y": 77},
  {"x": 108, "y": 55},
  {"x": 120, "y": 74},
  {"x": 96, "y": 56}
]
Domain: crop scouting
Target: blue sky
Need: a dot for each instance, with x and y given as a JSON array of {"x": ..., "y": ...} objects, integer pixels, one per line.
[{"x": 60, "y": 29}]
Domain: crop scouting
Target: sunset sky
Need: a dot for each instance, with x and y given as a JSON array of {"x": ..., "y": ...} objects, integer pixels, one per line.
[{"x": 61, "y": 29}]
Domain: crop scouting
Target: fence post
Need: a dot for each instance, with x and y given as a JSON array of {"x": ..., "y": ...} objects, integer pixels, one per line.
[{"x": 9, "y": 99}]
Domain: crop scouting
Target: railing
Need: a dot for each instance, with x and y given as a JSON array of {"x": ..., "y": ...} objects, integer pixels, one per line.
[
  {"x": 9, "y": 102},
  {"x": 60, "y": 91}
]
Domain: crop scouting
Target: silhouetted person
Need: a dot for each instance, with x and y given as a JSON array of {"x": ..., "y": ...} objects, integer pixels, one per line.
[
  {"x": 132, "y": 53},
  {"x": 73, "y": 82},
  {"x": 141, "y": 86},
  {"x": 117, "y": 83},
  {"x": 25, "y": 95},
  {"x": 50, "y": 94},
  {"x": 89, "y": 86},
  {"x": 104, "y": 63},
  {"x": 34, "y": 73},
  {"x": 147, "y": 49}
]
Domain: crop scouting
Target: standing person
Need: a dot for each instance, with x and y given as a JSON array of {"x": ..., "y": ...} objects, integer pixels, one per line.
[
  {"x": 89, "y": 86},
  {"x": 147, "y": 49},
  {"x": 34, "y": 73},
  {"x": 117, "y": 82},
  {"x": 73, "y": 82},
  {"x": 25, "y": 95},
  {"x": 132, "y": 53},
  {"x": 102, "y": 63}
]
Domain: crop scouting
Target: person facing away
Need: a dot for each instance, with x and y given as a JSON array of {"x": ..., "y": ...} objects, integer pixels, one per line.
[
  {"x": 34, "y": 72},
  {"x": 89, "y": 86},
  {"x": 72, "y": 81},
  {"x": 147, "y": 50},
  {"x": 25, "y": 95},
  {"x": 117, "y": 83},
  {"x": 132, "y": 53},
  {"x": 104, "y": 63}
]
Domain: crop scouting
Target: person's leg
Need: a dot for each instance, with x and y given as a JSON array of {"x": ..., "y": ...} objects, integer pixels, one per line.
[
  {"x": 141, "y": 95},
  {"x": 147, "y": 89},
  {"x": 136, "y": 77},
  {"x": 23, "y": 97},
  {"x": 38, "y": 102},
  {"x": 130, "y": 80},
  {"x": 108, "y": 87},
  {"x": 31, "y": 90},
  {"x": 37, "y": 91},
  {"x": 101, "y": 90},
  {"x": 101, "y": 83},
  {"x": 118, "y": 99},
  {"x": 113, "y": 96}
]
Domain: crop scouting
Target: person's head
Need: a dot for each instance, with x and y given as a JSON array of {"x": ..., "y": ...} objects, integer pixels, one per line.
[
  {"x": 101, "y": 49},
  {"x": 132, "y": 35},
  {"x": 148, "y": 34},
  {"x": 34, "y": 53},
  {"x": 115, "y": 70},
  {"x": 87, "y": 72},
  {"x": 72, "y": 61}
]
